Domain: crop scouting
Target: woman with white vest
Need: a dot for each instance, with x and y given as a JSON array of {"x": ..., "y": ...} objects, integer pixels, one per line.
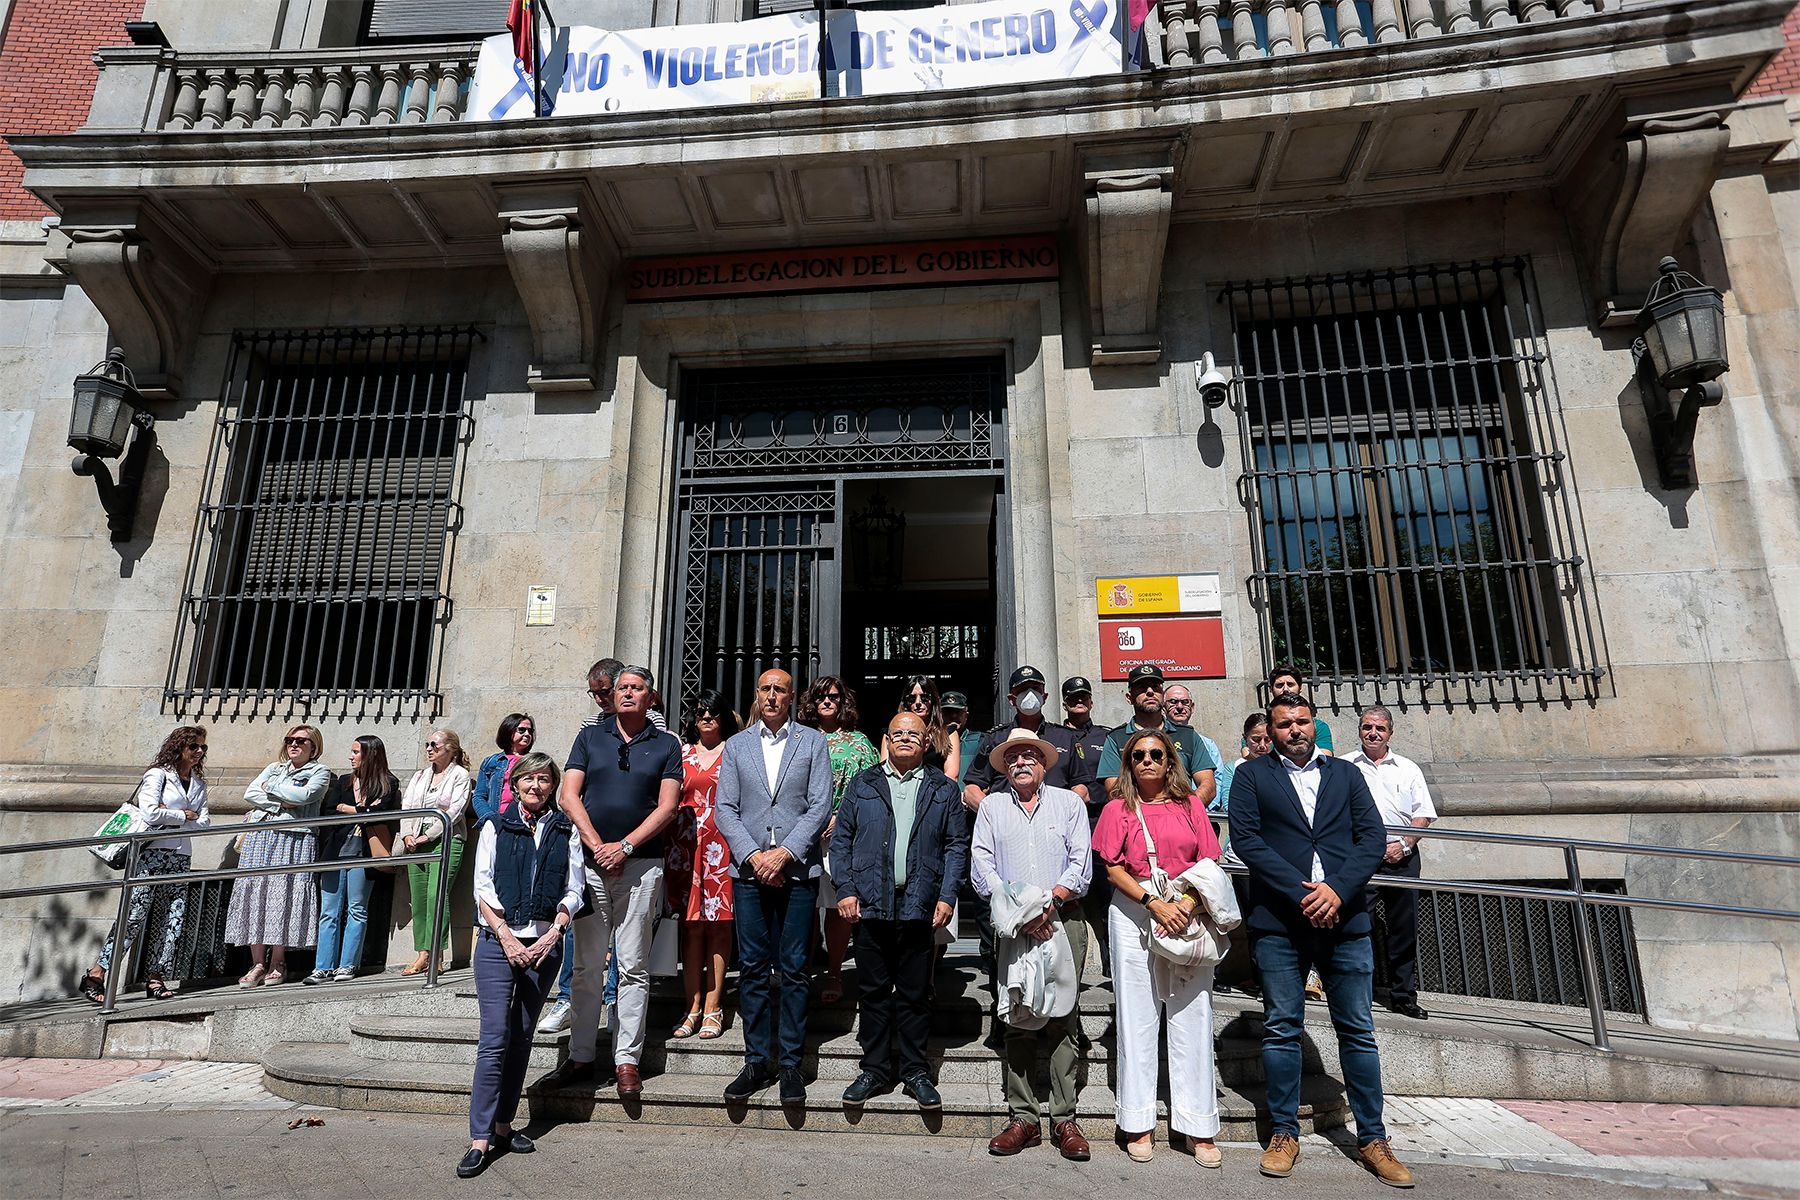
[
  {"x": 1158, "y": 845},
  {"x": 528, "y": 888},
  {"x": 172, "y": 798}
]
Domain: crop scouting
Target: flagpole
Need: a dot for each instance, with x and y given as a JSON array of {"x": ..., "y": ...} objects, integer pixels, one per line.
[{"x": 824, "y": 35}]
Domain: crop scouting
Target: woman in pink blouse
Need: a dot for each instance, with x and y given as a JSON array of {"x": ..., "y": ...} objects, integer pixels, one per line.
[{"x": 1154, "y": 793}]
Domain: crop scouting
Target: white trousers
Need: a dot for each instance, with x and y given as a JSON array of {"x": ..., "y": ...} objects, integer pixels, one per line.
[
  {"x": 1145, "y": 988},
  {"x": 624, "y": 916}
]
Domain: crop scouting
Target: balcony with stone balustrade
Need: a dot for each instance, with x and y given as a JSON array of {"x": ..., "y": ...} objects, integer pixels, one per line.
[{"x": 193, "y": 163}]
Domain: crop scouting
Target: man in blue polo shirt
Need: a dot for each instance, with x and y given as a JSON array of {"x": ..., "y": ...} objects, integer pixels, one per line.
[{"x": 620, "y": 789}]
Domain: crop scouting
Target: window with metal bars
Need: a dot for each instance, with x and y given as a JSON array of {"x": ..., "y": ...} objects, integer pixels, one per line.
[
  {"x": 316, "y": 580},
  {"x": 1412, "y": 522}
]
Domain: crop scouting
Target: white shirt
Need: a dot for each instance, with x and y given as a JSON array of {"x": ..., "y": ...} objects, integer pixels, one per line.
[
  {"x": 484, "y": 880},
  {"x": 165, "y": 801},
  {"x": 774, "y": 745},
  {"x": 1306, "y": 782},
  {"x": 1398, "y": 787}
]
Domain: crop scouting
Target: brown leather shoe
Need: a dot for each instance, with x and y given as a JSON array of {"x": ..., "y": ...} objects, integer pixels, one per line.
[
  {"x": 1378, "y": 1156},
  {"x": 631, "y": 1084},
  {"x": 1278, "y": 1160},
  {"x": 1067, "y": 1138},
  {"x": 1018, "y": 1135}
]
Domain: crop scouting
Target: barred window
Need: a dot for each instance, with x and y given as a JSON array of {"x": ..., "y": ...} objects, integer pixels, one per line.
[
  {"x": 317, "y": 574},
  {"x": 1411, "y": 520}
]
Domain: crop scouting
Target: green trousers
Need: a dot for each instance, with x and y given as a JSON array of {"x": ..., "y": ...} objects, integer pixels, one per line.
[
  {"x": 1061, "y": 1034},
  {"x": 426, "y": 887}
]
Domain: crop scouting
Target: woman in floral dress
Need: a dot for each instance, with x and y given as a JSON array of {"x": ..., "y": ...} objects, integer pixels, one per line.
[
  {"x": 697, "y": 869},
  {"x": 830, "y": 707}
]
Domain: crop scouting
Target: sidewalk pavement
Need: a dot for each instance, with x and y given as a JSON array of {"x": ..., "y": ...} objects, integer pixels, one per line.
[{"x": 1671, "y": 1148}]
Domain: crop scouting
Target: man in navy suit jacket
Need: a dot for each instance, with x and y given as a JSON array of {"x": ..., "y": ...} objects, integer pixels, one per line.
[{"x": 1308, "y": 830}]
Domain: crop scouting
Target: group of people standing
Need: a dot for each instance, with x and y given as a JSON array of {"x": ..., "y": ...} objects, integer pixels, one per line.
[{"x": 1056, "y": 837}]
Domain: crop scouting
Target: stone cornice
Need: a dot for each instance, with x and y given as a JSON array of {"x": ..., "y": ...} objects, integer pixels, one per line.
[{"x": 1637, "y": 45}]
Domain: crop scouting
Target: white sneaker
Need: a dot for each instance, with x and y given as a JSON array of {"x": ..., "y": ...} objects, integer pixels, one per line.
[
  {"x": 344, "y": 973},
  {"x": 317, "y": 977},
  {"x": 556, "y": 1018}
]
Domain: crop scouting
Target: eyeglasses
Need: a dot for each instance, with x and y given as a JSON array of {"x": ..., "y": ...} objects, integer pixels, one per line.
[
  {"x": 1152, "y": 755},
  {"x": 834, "y": 697},
  {"x": 200, "y": 748},
  {"x": 1174, "y": 703},
  {"x": 918, "y": 702},
  {"x": 624, "y": 758},
  {"x": 600, "y": 693},
  {"x": 905, "y": 735},
  {"x": 296, "y": 741}
]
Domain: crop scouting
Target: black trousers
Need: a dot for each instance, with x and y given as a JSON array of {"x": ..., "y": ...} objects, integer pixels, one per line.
[
  {"x": 1397, "y": 937},
  {"x": 893, "y": 971}
]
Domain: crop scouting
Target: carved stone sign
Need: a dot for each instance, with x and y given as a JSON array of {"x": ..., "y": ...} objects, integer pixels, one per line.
[{"x": 843, "y": 268}]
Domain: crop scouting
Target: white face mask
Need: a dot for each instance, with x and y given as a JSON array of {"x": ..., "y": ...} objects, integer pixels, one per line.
[{"x": 1029, "y": 702}]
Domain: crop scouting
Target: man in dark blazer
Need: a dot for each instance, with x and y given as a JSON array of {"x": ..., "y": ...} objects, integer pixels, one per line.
[
  {"x": 1308, "y": 830},
  {"x": 773, "y": 800},
  {"x": 899, "y": 854}
]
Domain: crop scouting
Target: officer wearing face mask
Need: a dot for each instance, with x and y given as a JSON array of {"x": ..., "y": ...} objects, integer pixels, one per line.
[{"x": 1026, "y": 692}]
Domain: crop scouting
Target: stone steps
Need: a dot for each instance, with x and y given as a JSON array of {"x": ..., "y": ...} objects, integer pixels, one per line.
[{"x": 336, "y": 1076}]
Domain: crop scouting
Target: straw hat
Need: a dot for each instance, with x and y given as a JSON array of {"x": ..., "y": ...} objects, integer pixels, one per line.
[{"x": 1021, "y": 737}]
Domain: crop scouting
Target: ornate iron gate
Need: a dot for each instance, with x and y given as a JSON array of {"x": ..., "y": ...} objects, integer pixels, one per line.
[{"x": 758, "y": 537}]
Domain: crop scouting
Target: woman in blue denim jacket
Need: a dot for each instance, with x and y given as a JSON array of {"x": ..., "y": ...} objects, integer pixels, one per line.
[{"x": 493, "y": 795}]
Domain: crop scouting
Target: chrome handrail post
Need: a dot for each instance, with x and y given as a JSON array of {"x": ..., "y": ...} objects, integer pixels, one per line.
[
  {"x": 111, "y": 1003},
  {"x": 443, "y": 896},
  {"x": 1584, "y": 946}
]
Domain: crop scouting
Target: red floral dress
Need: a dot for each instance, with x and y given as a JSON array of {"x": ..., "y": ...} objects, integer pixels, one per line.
[{"x": 697, "y": 866}]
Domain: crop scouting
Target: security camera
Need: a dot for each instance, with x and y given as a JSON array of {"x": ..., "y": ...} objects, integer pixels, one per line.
[{"x": 1214, "y": 387}]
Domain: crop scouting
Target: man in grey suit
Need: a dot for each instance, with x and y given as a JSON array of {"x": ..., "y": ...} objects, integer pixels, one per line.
[{"x": 773, "y": 800}]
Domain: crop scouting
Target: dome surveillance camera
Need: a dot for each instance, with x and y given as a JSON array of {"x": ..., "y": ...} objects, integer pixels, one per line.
[{"x": 1214, "y": 387}]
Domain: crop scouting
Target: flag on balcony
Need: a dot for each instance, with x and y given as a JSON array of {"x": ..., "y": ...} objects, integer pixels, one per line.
[
  {"x": 521, "y": 22},
  {"x": 1137, "y": 47}
]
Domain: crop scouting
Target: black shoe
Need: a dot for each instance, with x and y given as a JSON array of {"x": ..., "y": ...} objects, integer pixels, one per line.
[
  {"x": 751, "y": 1080},
  {"x": 510, "y": 1143},
  {"x": 793, "y": 1086},
  {"x": 473, "y": 1163},
  {"x": 920, "y": 1088},
  {"x": 1410, "y": 1009},
  {"x": 867, "y": 1084},
  {"x": 570, "y": 1072}
]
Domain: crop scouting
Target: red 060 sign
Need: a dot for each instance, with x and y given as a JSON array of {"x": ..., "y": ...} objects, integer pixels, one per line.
[{"x": 1181, "y": 647}]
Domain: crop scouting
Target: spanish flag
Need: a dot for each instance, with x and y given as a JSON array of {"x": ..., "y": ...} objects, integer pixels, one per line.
[{"x": 521, "y": 22}]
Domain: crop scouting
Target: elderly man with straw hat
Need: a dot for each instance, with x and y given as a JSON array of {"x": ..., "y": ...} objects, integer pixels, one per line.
[{"x": 1031, "y": 857}]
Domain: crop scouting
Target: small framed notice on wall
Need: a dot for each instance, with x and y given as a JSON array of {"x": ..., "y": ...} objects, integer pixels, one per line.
[{"x": 540, "y": 605}]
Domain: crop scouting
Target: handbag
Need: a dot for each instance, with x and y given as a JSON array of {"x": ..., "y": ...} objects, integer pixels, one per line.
[
  {"x": 665, "y": 948},
  {"x": 1200, "y": 944},
  {"x": 127, "y": 819}
]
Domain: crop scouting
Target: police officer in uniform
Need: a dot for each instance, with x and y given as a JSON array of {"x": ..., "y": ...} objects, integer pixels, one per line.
[{"x": 1090, "y": 739}]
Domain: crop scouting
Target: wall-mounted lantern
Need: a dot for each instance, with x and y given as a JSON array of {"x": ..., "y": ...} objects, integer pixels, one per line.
[
  {"x": 107, "y": 406},
  {"x": 1680, "y": 348}
]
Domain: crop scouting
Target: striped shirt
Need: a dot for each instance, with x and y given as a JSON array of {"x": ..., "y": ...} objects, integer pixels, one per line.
[{"x": 1048, "y": 847}]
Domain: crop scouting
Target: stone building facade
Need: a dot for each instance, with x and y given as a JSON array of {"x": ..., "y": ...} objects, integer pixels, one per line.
[{"x": 1417, "y": 248}]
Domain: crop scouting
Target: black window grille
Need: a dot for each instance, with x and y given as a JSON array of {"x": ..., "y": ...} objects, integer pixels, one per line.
[
  {"x": 317, "y": 577},
  {"x": 1406, "y": 474}
]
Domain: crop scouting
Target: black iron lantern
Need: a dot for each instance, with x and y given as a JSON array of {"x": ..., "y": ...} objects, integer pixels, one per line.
[
  {"x": 880, "y": 545},
  {"x": 1680, "y": 347},
  {"x": 107, "y": 406}
]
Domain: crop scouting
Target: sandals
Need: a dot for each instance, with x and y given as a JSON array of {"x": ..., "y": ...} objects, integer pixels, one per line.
[
  {"x": 253, "y": 977},
  {"x": 689, "y": 1024},
  {"x": 93, "y": 988},
  {"x": 155, "y": 989},
  {"x": 418, "y": 966},
  {"x": 712, "y": 1025},
  {"x": 278, "y": 975}
]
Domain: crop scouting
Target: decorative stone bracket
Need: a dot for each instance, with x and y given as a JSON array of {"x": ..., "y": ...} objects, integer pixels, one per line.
[
  {"x": 1643, "y": 192},
  {"x": 1128, "y": 194},
  {"x": 561, "y": 259},
  {"x": 148, "y": 287}
]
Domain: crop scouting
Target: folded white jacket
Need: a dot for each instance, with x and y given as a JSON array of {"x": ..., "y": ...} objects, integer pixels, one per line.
[
  {"x": 1207, "y": 880},
  {"x": 1037, "y": 979}
]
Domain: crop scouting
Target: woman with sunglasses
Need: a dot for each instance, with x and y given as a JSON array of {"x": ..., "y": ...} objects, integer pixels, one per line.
[
  {"x": 442, "y": 783},
  {"x": 1153, "y": 794},
  {"x": 829, "y": 706},
  {"x": 172, "y": 799},
  {"x": 493, "y": 793},
  {"x": 273, "y": 912},
  {"x": 697, "y": 869},
  {"x": 919, "y": 696}
]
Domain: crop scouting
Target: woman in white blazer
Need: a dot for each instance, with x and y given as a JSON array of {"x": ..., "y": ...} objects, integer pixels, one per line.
[{"x": 171, "y": 797}]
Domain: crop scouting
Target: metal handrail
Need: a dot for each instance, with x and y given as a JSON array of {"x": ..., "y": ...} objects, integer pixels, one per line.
[
  {"x": 129, "y": 880},
  {"x": 1576, "y": 893}
]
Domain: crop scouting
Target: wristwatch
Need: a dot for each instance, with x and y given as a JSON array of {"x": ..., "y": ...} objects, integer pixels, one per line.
[{"x": 627, "y": 847}]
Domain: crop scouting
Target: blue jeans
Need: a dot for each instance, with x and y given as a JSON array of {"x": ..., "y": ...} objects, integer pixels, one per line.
[
  {"x": 343, "y": 917},
  {"x": 565, "y": 980},
  {"x": 1347, "y": 966},
  {"x": 774, "y": 926}
]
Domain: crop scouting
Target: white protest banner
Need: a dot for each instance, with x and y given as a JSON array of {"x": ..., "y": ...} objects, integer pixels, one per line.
[{"x": 867, "y": 53}]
